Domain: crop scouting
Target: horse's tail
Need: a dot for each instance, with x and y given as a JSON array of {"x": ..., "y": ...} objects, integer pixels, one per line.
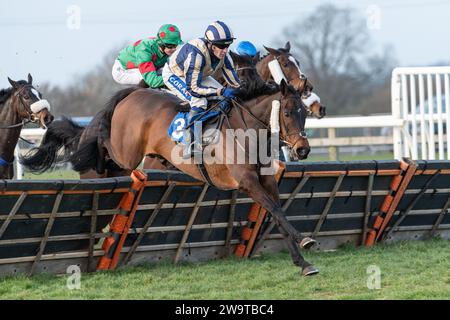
[
  {"x": 89, "y": 154},
  {"x": 60, "y": 134}
]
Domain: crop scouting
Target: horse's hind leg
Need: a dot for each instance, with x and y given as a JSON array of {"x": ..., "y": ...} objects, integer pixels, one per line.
[
  {"x": 251, "y": 185},
  {"x": 101, "y": 162}
]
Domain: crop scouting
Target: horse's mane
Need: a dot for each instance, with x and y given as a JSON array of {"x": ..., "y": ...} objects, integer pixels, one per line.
[
  {"x": 256, "y": 88},
  {"x": 253, "y": 87},
  {"x": 5, "y": 94},
  {"x": 268, "y": 53}
]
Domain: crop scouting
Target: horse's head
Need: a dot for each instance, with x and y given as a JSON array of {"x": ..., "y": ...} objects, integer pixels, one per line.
[
  {"x": 252, "y": 85},
  {"x": 295, "y": 77},
  {"x": 30, "y": 104},
  {"x": 245, "y": 66},
  {"x": 292, "y": 121}
]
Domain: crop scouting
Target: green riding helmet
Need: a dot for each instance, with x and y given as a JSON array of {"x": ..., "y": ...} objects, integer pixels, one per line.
[{"x": 169, "y": 34}]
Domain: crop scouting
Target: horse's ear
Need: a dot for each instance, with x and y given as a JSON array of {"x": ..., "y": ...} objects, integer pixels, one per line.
[
  {"x": 287, "y": 46},
  {"x": 30, "y": 79},
  {"x": 13, "y": 83},
  {"x": 284, "y": 87},
  {"x": 273, "y": 51},
  {"x": 233, "y": 55},
  {"x": 257, "y": 57}
]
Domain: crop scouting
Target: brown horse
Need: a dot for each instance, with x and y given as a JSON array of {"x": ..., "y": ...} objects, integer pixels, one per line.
[
  {"x": 295, "y": 77},
  {"x": 135, "y": 124},
  {"x": 18, "y": 105}
]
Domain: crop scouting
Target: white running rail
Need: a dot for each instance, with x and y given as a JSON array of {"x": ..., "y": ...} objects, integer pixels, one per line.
[{"x": 421, "y": 97}]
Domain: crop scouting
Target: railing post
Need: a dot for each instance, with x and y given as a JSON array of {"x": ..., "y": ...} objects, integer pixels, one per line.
[
  {"x": 332, "y": 150},
  {"x": 396, "y": 114},
  {"x": 19, "y": 168}
]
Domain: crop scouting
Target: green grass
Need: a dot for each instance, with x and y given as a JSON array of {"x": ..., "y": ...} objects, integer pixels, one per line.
[
  {"x": 350, "y": 157},
  {"x": 56, "y": 174},
  {"x": 409, "y": 270}
]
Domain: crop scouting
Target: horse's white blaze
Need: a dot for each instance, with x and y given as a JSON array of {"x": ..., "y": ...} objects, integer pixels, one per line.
[
  {"x": 311, "y": 99},
  {"x": 275, "y": 117},
  {"x": 275, "y": 70},
  {"x": 296, "y": 64},
  {"x": 36, "y": 93},
  {"x": 40, "y": 105}
]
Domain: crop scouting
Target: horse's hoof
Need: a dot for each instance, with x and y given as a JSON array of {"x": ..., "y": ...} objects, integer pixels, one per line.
[
  {"x": 307, "y": 243},
  {"x": 310, "y": 271}
]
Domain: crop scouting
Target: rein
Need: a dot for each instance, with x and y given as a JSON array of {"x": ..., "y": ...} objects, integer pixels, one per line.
[
  {"x": 24, "y": 122},
  {"x": 246, "y": 68}
]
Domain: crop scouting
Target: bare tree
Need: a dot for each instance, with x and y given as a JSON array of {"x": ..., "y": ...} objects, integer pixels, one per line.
[
  {"x": 88, "y": 93},
  {"x": 335, "y": 50}
]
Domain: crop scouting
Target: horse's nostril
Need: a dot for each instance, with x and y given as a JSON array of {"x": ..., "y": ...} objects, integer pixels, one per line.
[{"x": 303, "y": 152}]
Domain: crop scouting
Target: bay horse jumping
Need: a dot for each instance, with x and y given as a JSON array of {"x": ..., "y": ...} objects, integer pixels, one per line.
[
  {"x": 290, "y": 67},
  {"x": 20, "y": 104},
  {"x": 135, "y": 122}
]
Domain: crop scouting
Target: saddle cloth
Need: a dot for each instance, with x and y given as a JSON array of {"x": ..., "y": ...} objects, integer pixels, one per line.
[{"x": 210, "y": 120}]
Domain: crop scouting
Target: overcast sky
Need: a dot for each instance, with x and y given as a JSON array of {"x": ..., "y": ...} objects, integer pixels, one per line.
[{"x": 42, "y": 37}]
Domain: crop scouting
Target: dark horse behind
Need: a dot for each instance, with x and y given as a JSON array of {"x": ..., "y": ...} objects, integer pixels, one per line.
[{"x": 20, "y": 104}]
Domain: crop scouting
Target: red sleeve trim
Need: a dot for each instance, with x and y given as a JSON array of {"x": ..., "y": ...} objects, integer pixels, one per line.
[
  {"x": 130, "y": 65},
  {"x": 147, "y": 67}
]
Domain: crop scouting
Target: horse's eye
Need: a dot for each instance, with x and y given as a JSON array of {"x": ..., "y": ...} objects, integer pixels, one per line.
[{"x": 286, "y": 114}]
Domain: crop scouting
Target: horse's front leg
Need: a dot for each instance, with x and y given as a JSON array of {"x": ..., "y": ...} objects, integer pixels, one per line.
[
  {"x": 269, "y": 183},
  {"x": 10, "y": 172},
  {"x": 250, "y": 184}
]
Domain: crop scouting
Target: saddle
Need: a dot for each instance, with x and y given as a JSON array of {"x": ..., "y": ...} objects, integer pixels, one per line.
[{"x": 211, "y": 130}]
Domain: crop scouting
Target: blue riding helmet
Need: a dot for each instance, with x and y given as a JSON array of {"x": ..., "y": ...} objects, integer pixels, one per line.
[{"x": 246, "y": 48}]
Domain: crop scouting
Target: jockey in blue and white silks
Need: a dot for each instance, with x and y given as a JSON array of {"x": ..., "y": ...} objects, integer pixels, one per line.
[{"x": 189, "y": 73}]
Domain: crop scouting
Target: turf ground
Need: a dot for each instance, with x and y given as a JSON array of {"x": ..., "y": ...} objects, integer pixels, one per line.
[{"x": 408, "y": 270}]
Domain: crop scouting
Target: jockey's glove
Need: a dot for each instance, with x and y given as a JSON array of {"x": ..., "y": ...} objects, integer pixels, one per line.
[{"x": 229, "y": 93}]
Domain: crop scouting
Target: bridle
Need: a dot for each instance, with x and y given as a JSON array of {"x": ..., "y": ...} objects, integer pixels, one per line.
[
  {"x": 283, "y": 138},
  {"x": 246, "y": 68},
  {"x": 30, "y": 118},
  {"x": 303, "y": 77}
]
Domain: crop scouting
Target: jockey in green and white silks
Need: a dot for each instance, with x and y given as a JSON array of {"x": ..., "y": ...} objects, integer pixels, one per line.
[
  {"x": 190, "y": 70},
  {"x": 143, "y": 60}
]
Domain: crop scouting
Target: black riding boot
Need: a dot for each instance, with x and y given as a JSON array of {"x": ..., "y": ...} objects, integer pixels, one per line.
[{"x": 193, "y": 137}]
